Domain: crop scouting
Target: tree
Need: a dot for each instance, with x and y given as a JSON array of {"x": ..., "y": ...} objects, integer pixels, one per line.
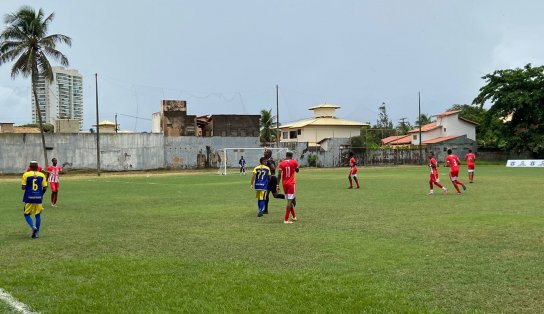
[
  {"x": 424, "y": 118},
  {"x": 403, "y": 127},
  {"x": 266, "y": 123},
  {"x": 383, "y": 121},
  {"x": 517, "y": 96},
  {"x": 488, "y": 130},
  {"x": 25, "y": 41}
]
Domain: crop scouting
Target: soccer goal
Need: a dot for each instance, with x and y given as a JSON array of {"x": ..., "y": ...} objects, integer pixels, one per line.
[{"x": 231, "y": 156}]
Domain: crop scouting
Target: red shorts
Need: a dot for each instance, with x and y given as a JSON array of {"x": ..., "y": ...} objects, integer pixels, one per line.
[
  {"x": 289, "y": 189},
  {"x": 54, "y": 186},
  {"x": 470, "y": 167},
  {"x": 433, "y": 177},
  {"x": 353, "y": 172},
  {"x": 454, "y": 174}
]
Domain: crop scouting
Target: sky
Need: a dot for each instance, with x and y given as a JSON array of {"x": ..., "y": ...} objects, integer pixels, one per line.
[{"x": 226, "y": 57}]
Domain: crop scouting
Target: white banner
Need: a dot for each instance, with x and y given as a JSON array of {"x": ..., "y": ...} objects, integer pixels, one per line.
[{"x": 525, "y": 163}]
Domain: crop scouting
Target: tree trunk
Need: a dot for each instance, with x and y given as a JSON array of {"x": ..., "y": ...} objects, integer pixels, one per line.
[{"x": 34, "y": 79}]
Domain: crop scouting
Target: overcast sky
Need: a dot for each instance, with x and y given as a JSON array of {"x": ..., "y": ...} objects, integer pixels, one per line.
[{"x": 227, "y": 56}]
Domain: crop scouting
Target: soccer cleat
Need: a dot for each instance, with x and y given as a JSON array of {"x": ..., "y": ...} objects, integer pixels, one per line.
[
  {"x": 358, "y": 187},
  {"x": 430, "y": 193},
  {"x": 458, "y": 193},
  {"x": 53, "y": 205},
  {"x": 259, "y": 214},
  {"x": 294, "y": 219},
  {"x": 350, "y": 187},
  {"x": 445, "y": 191},
  {"x": 464, "y": 187},
  {"x": 34, "y": 233},
  {"x": 287, "y": 222},
  {"x": 265, "y": 212}
]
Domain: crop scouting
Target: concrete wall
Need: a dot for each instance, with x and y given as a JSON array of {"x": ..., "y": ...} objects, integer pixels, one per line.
[{"x": 119, "y": 152}]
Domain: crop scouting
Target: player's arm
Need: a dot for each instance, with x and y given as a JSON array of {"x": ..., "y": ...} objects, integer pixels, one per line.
[
  {"x": 280, "y": 171},
  {"x": 252, "y": 180}
]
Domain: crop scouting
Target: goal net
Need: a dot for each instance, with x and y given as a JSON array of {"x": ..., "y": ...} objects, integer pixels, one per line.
[{"x": 230, "y": 158}]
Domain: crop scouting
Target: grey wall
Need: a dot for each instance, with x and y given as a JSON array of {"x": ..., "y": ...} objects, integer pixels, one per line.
[
  {"x": 142, "y": 151},
  {"x": 139, "y": 151}
]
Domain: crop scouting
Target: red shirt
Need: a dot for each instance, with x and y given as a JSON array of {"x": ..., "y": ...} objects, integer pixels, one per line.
[
  {"x": 470, "y": 158},
  {"x": 433, "y": 164},
  {"x": 453, "y": 161},
  {"x": 53, "y": 173},
  {"x": 288, "y": 170}
]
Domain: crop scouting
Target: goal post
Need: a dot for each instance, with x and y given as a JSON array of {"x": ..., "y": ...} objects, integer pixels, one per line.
[{"x": 231, "y": 155}]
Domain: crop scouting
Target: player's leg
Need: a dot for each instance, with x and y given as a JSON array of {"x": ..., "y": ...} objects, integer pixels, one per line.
[
  {"x": 454, "y": 182},
  {"x": 266, "y": 201},
  {"x": 29, "y": 210},
  {"x": 431, "y": 189},
  {"x": 260, "y": 195},
  {"x": 356, "y": 180},
  {"x": 350, "y": 181},
  {"x": 289, "y": 195},
  {"x": 461, "y": 184}
]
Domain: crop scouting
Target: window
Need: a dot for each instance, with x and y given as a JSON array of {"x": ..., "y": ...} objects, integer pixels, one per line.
[
  {"x": 444, "y": 130},
  {"x": 285, "y": 135},
  {"x": 299, "y": 132},
  {"x": 415, "y": 137},
  {"x": 293, "y": 134}
]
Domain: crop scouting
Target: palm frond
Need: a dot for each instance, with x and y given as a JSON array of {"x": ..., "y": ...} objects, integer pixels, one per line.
[
  {"x": 57, "y": 38},
  {"x": 56, "y": 55}
]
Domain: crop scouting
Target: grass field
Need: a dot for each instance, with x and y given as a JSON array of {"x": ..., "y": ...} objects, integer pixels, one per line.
[{"x": 193, "y": 243}]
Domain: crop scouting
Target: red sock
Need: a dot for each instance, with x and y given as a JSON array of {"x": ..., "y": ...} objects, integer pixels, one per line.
[
  {"x": 287, "y": 211},
  {"x": 431, "y": 185},
  {"x": 438, "y": 185},
  {"x": 357, "y": 181},
  {"x": 456, "y": 187},
  {"x": 293, "y": 212},
  {"x": 350, "y": 182}
]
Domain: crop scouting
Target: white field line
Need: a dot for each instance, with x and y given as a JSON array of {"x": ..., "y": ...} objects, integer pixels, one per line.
[{"x": 13, "y": 303}]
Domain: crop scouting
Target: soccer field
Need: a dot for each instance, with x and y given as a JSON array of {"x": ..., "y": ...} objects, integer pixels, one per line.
[{"x": 193, "y": 243}]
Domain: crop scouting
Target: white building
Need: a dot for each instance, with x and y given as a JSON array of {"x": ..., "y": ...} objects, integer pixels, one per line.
[
  {"x": 448, "y": 125},
  {"x": 323, "y": 125},
  {"x": 61, "y": 98}
]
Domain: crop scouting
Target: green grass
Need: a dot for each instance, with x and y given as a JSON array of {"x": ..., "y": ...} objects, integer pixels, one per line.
[{"x": 193, "y": 243}]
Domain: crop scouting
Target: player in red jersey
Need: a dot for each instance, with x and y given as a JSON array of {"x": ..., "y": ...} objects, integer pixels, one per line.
[
  {"x": 53, "y": 180},
  {"x": 286, "y": 174},
  {"x": 352, "y": 176},
  {"x": 454, "y": 162},
  {"x": 471, "y": 162},
  {"x": 433, "y": 179}
]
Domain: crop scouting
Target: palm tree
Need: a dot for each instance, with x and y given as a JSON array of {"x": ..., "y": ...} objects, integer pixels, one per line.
[
  {"x": 26, "y": 42},
  {"x": 425, "y": 119},
  {"x": 268, "y": 133}
]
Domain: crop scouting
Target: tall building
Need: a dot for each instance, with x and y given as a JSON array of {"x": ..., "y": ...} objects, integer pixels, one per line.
[{"x": 61, "y": 98}]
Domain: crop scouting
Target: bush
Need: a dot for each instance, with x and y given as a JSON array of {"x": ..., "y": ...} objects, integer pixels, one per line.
[{"x": 312, "y": 160}]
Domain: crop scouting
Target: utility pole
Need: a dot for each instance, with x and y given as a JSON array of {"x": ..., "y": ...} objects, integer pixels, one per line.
[
  {"x": 419, "y": 122},
  {"x": 278, "y": 133},
  {"x": 116, "y": 128},
  {"x": 97, "y": 129}
]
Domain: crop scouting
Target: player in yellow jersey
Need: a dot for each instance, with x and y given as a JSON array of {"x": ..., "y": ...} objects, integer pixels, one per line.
[
  {"x": 259, "y": 182},
  {"x": 34, "y": 183}
]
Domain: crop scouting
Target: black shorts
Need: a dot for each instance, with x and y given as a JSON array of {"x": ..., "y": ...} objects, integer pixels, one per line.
[{"x": 273, "y": 184}]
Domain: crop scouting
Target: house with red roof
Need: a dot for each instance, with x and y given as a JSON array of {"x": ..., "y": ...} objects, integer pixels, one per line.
[{"x": 447, "y": 127}]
